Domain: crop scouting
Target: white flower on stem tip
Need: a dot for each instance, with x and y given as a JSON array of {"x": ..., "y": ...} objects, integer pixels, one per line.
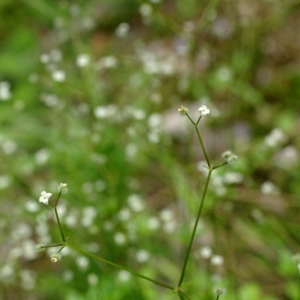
[
  {"x": 183, "y": 110},
  {"x": 63, "y": 188},
  {"x": 203, "y": 110},
  {"x": 39, "y": 247},
  {"x": 229, "y": 157},
  {"x": 45, "y": 197},
  {"x": 219, "y": 291},
  {"x": 55, "y": 257}
]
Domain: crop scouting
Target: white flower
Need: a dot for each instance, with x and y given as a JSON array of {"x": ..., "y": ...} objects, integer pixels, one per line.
[
  {"x": 122, "y": 30},
  {"x": 63, "y": 188},
  {"x": 219, "y": 291},
  {"x": 82, "y": 60},
  {"x": 55, "y": 257},
  {"x": 183, "y": 110},
  {"x": 217, "y": 260},
  {"x": 45, "y": 197},
  {"x": 203, "y": 110},
  {"x": 145, "y": 10},
  {"x": 4, "y": 90},
  {"x": 229, "y": 157},
  {"x": 59, "y": 76},
  {"x": 275, "y": 138}
]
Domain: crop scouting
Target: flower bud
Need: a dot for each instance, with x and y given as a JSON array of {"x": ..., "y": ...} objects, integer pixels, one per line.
[
  {"x": 63, "y": 188},
  {"x": 55, "y": 257},
  {"x": 229, "y": 156},
  {"x": 183, "y": 110}
]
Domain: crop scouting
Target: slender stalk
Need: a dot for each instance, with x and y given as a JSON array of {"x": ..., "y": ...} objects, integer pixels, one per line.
[
  {"x": 59, "y": 225},
  {"x": 57, "y": 199},
  {"x": 199, "y": 138},
  {"x": 53, "y": 245},
  {"x": 118, "y": 266},
  {"x": 298, "y": 292},
  {"x": 202, "y": 146},
  {"x": 181, "y": 297},
  {"x": 194, "y": 229}
]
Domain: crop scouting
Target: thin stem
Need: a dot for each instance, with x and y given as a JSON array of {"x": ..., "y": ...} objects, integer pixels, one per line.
[
  {"x": 118, "y": 266},
  {"x": 199, "y": 138},
  {"x": 57, "y": 198},
  {"x": 221, "y": 165},
  {"x": 181, "y": 296},
  {"x": 194, "y": 229},
  {"x": 62, "y": 247},
  {"x": 184, "y": 295},
  {"x": 202, "y": 146},
  {"x": 59, "y": 225},
  {"x": 53, "y": 245},
  {"x": 298, "y": 292},
  {"x": 217, "y": 297}
]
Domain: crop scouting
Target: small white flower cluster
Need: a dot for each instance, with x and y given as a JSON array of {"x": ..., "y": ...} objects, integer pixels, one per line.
[
  {"x": 4, "y": 90},
  {"x": 83, "y": 60},
  {"x": 44, "y": 198},
  {"x": 219, "y": 291},
  {"x": 55, "y": 257},
  {"x": 203, "y": 110},
  {"x": 122, "y": 30},
  {"x": 229, "y": 157},
  {"x": 183, "y": 110},
  {"x": 275, "y": 138},
  {"x": 63, "y": 188}
]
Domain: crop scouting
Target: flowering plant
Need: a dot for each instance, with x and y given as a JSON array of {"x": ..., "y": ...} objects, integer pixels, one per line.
[{"x": 179, "y": 287}]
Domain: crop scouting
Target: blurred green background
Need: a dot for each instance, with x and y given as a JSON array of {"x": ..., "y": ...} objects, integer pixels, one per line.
[{"x": 89, "y": 92}]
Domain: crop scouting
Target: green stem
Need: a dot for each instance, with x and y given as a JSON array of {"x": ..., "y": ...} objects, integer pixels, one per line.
[
  {"x": 202, "y": 146},
  {"x": 199, "y": 138},
  {"x": 181, "y": 294},
  {"x": 118, "y": 266},
  {"x": 194, "y": 229},
  {"x": 59, "y": 225},
  {"x": 298, "y": 292},
  {"x": 57, "y": 198},
  {"x": 53, "y": 245},
  {"x": 221, "y": 165}
]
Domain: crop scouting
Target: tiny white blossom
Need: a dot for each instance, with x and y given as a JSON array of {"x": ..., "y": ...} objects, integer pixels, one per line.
[
  {"x": 63, "y": 188},
  {"x": 183, "y": 110},
  {"x": 219, "y": 291},
  {"x": 122, "y": 30},
  {"x": 205, "y": 252},
  {"x": 275, "y": 138},
  {"x": 145, "y": 10},
  {"x": 82, "y": 60},
  {"x": 217, "y": 260},
  {"x": 4, "y": 90},
  {"x": 59, "y": 76},
  {"x": 55, "y": 257},
  {"x": 229, "y": 157},
  {"x": 45, "y": 197},
  {"x": 203, "y": 110}
]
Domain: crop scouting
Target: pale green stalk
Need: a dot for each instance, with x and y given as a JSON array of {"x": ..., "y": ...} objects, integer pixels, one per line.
[
  {"x": 118, "y": 266},
  {"x": 187, "y": 255}
]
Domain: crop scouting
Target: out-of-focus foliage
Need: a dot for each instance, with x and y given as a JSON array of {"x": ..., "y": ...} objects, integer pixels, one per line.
[{"x": 89, "y": 94}]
